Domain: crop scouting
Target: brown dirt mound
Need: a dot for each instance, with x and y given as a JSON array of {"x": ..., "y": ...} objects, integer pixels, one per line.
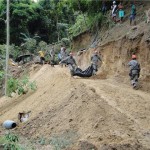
[{"x": 96, "y": 111}]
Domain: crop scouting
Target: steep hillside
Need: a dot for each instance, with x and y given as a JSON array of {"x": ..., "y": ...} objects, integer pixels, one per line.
[
  {"x": 81, "y": 113},
  {"x": 116, "y": 52},
  {"x": 98, "y": 113}
]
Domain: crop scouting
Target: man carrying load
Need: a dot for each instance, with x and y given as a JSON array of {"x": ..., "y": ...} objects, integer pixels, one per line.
[{"x": 70, "y": 61}]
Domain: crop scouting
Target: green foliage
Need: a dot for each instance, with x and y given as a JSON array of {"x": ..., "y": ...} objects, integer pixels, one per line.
[
  {"x": 63, "y": 141},
  {"x": 1, "y": 75},
  {"x": 12, "y": 86},
  {"x": 107, "y": 22},
  {"x": 30, "y": 42},
  {"x": 33, "y": 86},
  {"x": 13, "y": 51},
  {"x": 11, "y": 141},
  {"x": 2, "y": 50},
  {"x": 65, "y": 41},
  {"x": 20, "y": 86},
  {"x": 42, "y": 46},
  {"x": 86, "y": 22},
  {"x": 11, "y": 137},
  {"x": 78, "y": 27},
  {"x": 30, "y": 45},
  {"x": 1, "y": 78},
  {"x": 48, "y": 20},
  {"x": 42, "y": 141}
]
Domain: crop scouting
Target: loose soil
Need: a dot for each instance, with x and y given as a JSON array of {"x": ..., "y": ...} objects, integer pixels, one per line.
[{"x": 81, "y": 113}]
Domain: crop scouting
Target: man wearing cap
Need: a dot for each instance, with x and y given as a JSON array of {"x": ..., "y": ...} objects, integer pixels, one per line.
[
  {"x": 114, "y": 11},
  {"x": 134, "y": 71},
  {"x": 70, "y": 61},
  {"x": 94, "y": 60}
]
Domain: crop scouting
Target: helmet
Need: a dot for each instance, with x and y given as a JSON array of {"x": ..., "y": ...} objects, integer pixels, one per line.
[
  {"x": 96, "y": 52},
  {"x": 71, "y": 54},
  {"x": 114, "y": 2},
  {"x": 133, "y": 56}
]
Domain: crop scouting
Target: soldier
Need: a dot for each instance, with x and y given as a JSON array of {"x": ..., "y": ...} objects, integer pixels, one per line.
[
  {"x": 52, "y": 56},
  {"x": 70, "y": 61},
  {"x": 63, "y": 54},
  {"x": 94, "y": 60},
  {"x": 134, "y": 71}
]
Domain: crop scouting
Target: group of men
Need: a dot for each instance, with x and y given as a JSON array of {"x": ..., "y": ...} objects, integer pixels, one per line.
[
  {"x": 69, "y": 60},
  {"x": 119, "y": 9},
  {"x": 95, "y": 58}
]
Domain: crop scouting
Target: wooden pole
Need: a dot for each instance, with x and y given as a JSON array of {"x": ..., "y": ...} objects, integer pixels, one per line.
[{"x": 7, "y": 47}]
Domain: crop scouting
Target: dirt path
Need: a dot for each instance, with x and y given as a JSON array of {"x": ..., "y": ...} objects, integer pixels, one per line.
[
  {"x": 98, "y": 111},
  {"x": 133, "y": 104}
]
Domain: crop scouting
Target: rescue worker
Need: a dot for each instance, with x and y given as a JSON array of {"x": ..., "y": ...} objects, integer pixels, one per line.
[
  {"x": 63, "y": 54},
  {"x": 134, "y": 71},
  {"x": 42, "y": 59},
  {"x": 52, "y": 56},
  {"x": 94, "y": 60},
  {"x": 70, "y": 61}
]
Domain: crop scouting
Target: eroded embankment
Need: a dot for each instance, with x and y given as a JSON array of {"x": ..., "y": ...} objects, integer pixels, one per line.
[{"x": 116, "y": 53}]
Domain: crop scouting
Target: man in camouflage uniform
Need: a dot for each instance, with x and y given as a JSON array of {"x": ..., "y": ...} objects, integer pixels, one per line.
[
  {"x": 134, "y": 71},
  {"x": 70, "y": 61},
  {"x": 94, "y": 60},
  {"x": 52, "y": 55}
]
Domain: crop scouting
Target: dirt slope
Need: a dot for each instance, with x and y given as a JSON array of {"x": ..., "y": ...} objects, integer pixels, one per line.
[
  {"x": 99, "y": 113},
  {"x": 82, "y": 111}
]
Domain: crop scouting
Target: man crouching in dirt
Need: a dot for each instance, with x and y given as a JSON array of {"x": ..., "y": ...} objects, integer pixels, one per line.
[
  {"x": 134, "y": 71},
  {"x": 70, "y": 61},
  {"x": 94, "y": 60}
]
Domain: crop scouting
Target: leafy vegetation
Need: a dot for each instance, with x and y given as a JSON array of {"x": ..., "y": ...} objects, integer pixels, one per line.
[
  {"x": 11, "y": 141},
  {"x": 48, "y": 20},
  {"x": 20, "y": 86}
]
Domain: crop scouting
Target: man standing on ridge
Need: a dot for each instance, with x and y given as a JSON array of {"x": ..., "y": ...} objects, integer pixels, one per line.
[
  {"x": 134, "y": 71},
  {"x": 94, "y": 60},
  {"x": 114, "y": 11},
  {"x": 70, "y": 61},
  {"x": 133, "y": 13}
]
